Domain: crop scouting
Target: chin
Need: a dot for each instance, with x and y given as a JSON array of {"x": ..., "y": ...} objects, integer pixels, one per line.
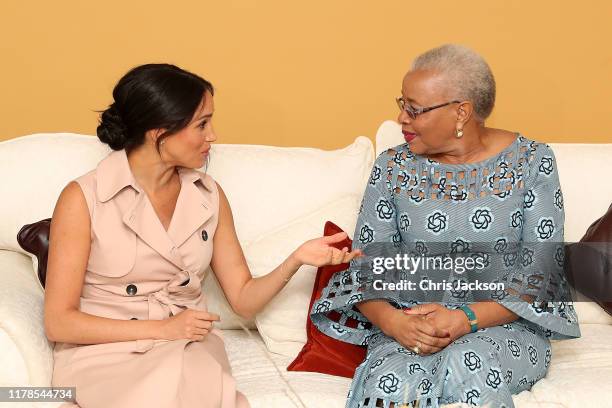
[{"x": 417, "y": 148}]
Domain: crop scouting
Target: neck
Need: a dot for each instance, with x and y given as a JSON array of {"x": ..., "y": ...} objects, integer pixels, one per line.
[
  {"x": 465, "y": 150},
  {"x": 149, "y": 170}
]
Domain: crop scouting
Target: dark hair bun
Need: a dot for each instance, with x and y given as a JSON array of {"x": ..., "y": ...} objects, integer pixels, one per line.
[
  {"x": 111, "y": 129},
  {"x": 151, "y": 96}
]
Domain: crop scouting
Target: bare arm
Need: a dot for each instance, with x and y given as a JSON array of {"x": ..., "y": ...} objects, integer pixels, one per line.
[
  {"x": 248, "y": 295},
  {"x": 69, "y": 246}
]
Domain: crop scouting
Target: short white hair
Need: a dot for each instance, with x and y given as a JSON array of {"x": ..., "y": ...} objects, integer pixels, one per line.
[{"x": 468, "y": 76}]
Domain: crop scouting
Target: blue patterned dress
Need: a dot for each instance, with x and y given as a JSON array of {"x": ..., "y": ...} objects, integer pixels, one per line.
[{"x": 508, "y": 201}]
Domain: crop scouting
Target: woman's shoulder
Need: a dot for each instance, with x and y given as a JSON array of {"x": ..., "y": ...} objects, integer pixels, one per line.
[
  {"x": 206, "y": 180},
  {"x": 399, "y": 155},
  {"x": 535, "y": 153}
]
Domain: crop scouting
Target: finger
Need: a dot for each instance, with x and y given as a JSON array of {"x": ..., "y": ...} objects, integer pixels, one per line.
[
  {"x": 359, "y": 252},
  {"x": 422, "y": 309},
  {"x": 426, "y": 350},
  {"x": 200, "y": 332},
  {"x": 204, "y": 324},
  {"x": 429, "y": 340},
  {"x": 337, "y": 256},
  {"x": 335, "y": 238},
  {"x": 425, "y": 327},
  {"x": 349, "y": 257},
  {"x": 202, "y": 315},
  {"x": 439, "y": 342}
]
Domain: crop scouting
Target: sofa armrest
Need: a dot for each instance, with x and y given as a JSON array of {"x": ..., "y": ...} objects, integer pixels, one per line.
[{"x": 21, "y": 321}]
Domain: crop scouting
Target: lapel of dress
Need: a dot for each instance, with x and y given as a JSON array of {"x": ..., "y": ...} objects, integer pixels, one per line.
[
  {"x": 194, "y": 205},
  {"x": 113, "y": 176},
  {"x": 141, "y": 218}
]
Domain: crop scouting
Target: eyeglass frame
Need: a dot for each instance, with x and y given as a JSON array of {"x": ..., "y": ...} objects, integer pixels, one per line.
[{"x": 404, "y": 106}]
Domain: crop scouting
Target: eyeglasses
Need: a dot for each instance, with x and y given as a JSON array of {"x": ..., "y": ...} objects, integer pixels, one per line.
[{"x": 412, "y": 112}]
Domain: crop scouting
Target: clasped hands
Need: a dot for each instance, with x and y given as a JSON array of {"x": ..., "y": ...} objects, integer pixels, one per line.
[{"x": 427, "y": 328}]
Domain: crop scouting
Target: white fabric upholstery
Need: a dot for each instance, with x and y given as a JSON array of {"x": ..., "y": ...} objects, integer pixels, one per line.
[
  {"x": 575, "y": 378},
  {"x": 21, "y": 321},
  {"x": 282, "y": 323}
]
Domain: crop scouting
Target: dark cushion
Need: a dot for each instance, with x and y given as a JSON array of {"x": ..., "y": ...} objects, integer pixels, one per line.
[
  {"x": 588, "y": 263},
  {"x": 34, "y": 238}
]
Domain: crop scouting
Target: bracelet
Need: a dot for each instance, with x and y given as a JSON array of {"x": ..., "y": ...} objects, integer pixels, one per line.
[{"x": 471, "y": 318}]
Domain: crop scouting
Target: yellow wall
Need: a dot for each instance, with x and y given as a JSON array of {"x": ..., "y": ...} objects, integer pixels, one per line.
[{"x": 306, "y": 73}]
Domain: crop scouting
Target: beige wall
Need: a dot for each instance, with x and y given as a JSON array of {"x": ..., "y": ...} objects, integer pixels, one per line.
[{"x": 308, "y": 73}]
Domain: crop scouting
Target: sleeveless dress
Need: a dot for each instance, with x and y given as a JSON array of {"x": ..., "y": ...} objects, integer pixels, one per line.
[
  {"x": 136, "y": 271},
  {"x": 507, "y": 210}
]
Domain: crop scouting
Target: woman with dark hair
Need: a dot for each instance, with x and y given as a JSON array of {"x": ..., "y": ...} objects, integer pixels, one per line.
[{"x": 129, "y": 246}]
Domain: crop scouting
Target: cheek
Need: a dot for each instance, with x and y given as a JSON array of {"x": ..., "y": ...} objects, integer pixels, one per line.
[
  {"x": 433, "y": 132},
  {"x": 191, "y": 141}
]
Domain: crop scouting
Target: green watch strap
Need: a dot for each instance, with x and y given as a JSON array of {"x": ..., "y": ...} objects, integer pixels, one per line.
[{"x": 471, "y": 317}]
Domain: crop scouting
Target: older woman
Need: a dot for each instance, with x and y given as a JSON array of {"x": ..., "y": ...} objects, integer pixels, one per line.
[
  {"x": 130, "y": 244},
  {"x": 456, "y": 187}
]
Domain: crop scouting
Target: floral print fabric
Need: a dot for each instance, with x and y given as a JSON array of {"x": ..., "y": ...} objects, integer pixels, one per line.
[{"x": 509, "y": 209}]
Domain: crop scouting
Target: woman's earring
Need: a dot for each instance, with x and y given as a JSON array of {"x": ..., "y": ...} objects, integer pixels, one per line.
[{"x": 459, "y": 133}]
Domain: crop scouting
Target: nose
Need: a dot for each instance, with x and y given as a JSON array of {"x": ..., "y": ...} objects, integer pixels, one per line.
[
  {"x": 403, "y": 117},
  {"x": 211, "y": 136}
]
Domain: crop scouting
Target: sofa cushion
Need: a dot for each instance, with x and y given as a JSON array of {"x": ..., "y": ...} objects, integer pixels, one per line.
[
  {"x": 321, "y": 353},
  {"x": 589, "y": 262},
  {"x": 282, "y": 323},
  {"x": 34, "y": 238}
]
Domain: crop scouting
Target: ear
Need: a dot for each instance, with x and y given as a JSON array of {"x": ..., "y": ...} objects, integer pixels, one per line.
[
  {"x": 464, "y": 111},
  {"x": 152, "y": 135}
]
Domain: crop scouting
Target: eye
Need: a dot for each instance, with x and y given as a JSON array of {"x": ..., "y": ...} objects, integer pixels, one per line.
[{"x": 202, "y": 125}]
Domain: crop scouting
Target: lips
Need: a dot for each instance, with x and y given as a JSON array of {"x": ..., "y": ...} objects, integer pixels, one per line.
[{"x": 408, "y": 136}]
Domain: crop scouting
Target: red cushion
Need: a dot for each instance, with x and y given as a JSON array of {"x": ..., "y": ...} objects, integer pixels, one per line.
[{"x": 321, "y": 353}]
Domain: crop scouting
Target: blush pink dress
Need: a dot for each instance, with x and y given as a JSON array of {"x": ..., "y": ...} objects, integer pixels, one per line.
[{"x": 138, "y": 270}]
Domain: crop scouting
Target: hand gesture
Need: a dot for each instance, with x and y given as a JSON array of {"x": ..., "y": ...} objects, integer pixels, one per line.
[{"x": 320, "y": 252}]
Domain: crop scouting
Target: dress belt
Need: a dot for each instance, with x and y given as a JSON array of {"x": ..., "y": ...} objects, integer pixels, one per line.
[{"x": 183, "y": 291}]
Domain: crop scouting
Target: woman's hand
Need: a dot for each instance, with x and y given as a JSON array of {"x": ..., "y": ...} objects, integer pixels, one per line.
[
  {"x": 454, "y": 321},
  {"x": 416, "y": 331},
  {"x": 319, "y": 252},
  {"x": 189, "y": 324}
]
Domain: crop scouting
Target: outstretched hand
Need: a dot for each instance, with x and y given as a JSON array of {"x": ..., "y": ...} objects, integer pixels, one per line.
[
  {"x": 453, "y": 321},
  {"x": 320, "y": 252}
]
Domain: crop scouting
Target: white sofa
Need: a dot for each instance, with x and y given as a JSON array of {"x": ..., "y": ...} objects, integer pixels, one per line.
[{"x": 279, "y": 196}]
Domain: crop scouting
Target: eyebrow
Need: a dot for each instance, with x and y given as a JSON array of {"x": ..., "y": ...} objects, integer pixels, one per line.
[
  {"x": 413, "y": 101},
  {"x": 204, "y": 117}
]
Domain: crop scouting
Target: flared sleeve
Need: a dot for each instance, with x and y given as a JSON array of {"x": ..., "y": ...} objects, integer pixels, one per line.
[
  {"x": 538, "y": 265},
  {"x": 334, "y": 313}
]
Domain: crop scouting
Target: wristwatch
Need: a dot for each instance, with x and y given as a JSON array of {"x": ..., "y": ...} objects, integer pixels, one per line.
[{"x": 471, "y": 317}]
